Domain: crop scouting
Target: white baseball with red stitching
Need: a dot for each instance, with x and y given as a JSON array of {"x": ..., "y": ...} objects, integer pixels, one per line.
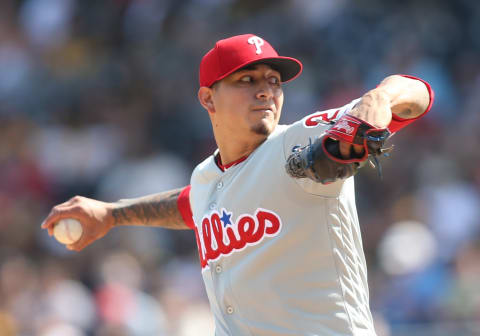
[{"x": 67, "y": 231}]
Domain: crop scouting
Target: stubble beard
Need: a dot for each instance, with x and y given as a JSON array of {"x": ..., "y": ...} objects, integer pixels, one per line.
[
  {"x": 261, "y": 129},
  {"x": 265, "y": 126}
]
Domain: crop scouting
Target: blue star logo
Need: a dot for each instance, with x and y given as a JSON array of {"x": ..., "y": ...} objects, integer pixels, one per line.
[{"x": 226, "y": 218}]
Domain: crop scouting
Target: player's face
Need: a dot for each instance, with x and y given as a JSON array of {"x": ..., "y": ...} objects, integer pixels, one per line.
[{"x": 249, "y": 100}]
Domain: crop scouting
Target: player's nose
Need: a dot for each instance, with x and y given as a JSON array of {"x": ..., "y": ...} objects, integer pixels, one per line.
[{"x": 265, "y": 91}]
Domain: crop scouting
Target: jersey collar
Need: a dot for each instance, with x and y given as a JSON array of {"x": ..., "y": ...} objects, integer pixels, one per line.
[{"x": 218, "y": 162}]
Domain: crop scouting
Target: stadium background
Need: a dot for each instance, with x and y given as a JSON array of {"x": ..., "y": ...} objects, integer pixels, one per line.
[{"x": 98, "y": 98}]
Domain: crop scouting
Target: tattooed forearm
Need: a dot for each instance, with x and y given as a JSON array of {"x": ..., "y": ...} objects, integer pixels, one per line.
[{"x": 154, "y": 210}]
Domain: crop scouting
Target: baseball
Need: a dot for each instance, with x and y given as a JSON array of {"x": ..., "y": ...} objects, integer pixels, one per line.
[{"x": 67, "y": 231}]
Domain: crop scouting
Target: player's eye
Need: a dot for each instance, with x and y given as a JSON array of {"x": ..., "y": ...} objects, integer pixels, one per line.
[
  {"x": 274, "y": 80},
  {"x": 246, "y": 79}
]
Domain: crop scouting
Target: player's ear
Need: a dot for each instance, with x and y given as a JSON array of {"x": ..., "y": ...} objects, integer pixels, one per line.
[{"x": 206, "y": 99}]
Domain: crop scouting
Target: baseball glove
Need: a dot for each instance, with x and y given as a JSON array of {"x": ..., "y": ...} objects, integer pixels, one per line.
[{"x": 321, "y": 160}]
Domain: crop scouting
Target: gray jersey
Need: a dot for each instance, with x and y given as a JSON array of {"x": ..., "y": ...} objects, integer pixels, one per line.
[{"x": 280, "y": 256}]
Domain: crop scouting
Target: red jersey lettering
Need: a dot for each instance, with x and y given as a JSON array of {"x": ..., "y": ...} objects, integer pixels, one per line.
[
  {"x": 320, "y": 117},
  {"x": 218, "y": 236}
]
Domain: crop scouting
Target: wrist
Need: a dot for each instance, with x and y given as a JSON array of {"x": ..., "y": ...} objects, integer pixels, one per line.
[
  {"x": 374, "y": 108},
  {"x": 116, "y": 215}
]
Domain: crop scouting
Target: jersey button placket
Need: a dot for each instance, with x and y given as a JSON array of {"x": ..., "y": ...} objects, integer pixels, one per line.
[
  {"x": 218, "y": 269},
  {"x": 230, "y": 310},
  {"x": 219, "y": 185}
]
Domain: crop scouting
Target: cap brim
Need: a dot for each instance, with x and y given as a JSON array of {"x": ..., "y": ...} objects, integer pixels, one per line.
[{"x": 289, "y": 67}]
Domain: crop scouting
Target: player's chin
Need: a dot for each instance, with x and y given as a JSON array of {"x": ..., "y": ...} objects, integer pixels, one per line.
[{"x": 263, "y": 127}]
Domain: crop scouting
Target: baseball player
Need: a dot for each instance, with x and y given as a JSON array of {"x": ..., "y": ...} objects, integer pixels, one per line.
[{"x": 273, "y": 208}]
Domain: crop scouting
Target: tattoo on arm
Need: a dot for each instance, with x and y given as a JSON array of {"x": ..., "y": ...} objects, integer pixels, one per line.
[{"x": 154, "y": 210}]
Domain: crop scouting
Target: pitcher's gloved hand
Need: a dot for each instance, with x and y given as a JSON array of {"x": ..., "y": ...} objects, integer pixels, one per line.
[{"x": 321, "y": 160}]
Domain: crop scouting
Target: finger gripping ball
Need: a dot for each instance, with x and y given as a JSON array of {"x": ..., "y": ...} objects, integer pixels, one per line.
[{"x": 67, "y": 231}]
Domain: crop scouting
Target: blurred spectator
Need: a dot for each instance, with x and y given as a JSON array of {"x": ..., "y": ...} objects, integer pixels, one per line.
[
  {"x": 7, "y": 325},
  {"x": 121, "y": 300},
  {"x": 47, "y": 23},
  {"x": 61, "y": 329},
  {"x": 450, "y": 205},
  {"x": 464, "y": 299}
]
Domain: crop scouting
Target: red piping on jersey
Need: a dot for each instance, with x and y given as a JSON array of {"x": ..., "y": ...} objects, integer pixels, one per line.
[
  {"x": 218, "y": 161},
  {"x": 183, "y": 205}
]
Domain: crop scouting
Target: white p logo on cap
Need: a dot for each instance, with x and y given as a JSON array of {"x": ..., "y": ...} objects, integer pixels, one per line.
[{"x": 258, "y": 42}]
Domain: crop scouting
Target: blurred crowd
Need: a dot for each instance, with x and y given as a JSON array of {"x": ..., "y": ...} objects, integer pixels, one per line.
[{"x": 98, "y": 98}]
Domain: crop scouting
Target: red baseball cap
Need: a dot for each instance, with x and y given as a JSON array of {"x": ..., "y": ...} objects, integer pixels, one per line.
[{"x": 235, "y": 52}]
